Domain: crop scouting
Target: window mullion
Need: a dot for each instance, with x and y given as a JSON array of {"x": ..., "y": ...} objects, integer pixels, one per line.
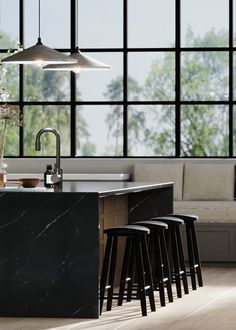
[{"x": 177, "y": 79}]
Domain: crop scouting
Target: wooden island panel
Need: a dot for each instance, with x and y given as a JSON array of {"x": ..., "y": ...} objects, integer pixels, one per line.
[{"x": 113, "y": 211}]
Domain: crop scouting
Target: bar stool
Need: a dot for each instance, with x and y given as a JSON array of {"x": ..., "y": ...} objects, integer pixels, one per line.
[
  {"x": 158, "y": 257},
  {"x": 192, "y": 246},
  {"x": 175, "y": 247},
  {"x": 136, "y": 245}
]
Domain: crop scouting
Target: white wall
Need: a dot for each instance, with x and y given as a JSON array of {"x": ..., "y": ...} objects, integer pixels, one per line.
[{"x": 95, "y": 165}]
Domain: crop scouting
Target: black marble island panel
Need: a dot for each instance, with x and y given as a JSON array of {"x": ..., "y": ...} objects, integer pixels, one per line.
[
  {"x": 49, "y": 245},
  {"x": 49, "y": 255}
]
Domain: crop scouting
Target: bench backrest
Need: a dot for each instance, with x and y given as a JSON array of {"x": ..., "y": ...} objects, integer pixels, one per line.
[{"x": 192, "y": 181}]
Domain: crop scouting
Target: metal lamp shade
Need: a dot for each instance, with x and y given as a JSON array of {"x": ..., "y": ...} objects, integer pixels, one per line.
[
  {"x": 38, "y": 54},
  {"x": 83, "y": 62}
]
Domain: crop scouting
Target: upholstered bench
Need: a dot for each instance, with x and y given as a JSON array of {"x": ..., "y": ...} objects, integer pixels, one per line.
[{"x": 204, "y": 189}]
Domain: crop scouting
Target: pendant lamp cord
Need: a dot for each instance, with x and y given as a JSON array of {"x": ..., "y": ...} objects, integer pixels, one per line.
[{"x": 39, "y": 21}]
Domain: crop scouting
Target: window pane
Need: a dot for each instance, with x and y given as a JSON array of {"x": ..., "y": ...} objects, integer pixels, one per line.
[
  {"x": 204, "y": 130},
  {"x": 151, "y": 130},
  {"x": 9, "y": 81},
  {"x": 40, "y": 85},
  {"x": 205, "y": 76},
  {"x": 151, "y": 76},
  {"x": 9, "y": 23},
  {"x": 37, "y": 117},
  {"x": 103, "y": 85},
  {"x": 204, "y": 23},
  {"x": 151, "y": 23},
  {"x": 99, "y": 130},
  {"x": 12, "y": 140},
  {"x": 100, "y": 23},
  {"x": 54, "y": 23},
  {"x": 234, "y": 76},
  {"x": 234, "y": 23},
  {"x": 234, "y": 131}
]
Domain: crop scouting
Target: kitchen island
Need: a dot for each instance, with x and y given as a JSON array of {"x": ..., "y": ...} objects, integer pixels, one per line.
[{"x": 50, "y": 242}]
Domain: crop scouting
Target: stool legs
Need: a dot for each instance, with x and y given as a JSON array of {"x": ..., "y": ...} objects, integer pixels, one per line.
[
  {"x": 125, "y": 273},
  {"x": 175, "y": 243},
  {"x": 131, "y": 273},
  {"x": 159, "y": 269},
  {"x": 137, "y": 263},
  {"x": 147, "y": 272},
  {"x": 193, "y": 251},
  {"x": 182, "y": 262},
  {"x": 136, "y": 247},
  {"x": 191, "y": 256},
  {"x": 166, "y": 266},
  {"x": 112, "y": 273},
  {"x": 105, "y": 269},
  {"x": 140, "y": 275},
  {"x": 176, "y": 262},
  {"x": 196, "y": 255}
]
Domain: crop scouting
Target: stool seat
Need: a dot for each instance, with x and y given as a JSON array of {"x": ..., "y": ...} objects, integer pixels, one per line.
[
  {"x": 169, "y": 220},
  {"x": 129, "y": 230},
  {"x": 152, "y": 224},
  {"x": 185, "y": 217}
]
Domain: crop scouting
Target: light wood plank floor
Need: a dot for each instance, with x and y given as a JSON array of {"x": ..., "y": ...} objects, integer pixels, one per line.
[{"x": 210, "y": 307}]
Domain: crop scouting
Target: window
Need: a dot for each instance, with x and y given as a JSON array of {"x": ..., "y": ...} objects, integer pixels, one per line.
[{"x": 171, "y": 91}]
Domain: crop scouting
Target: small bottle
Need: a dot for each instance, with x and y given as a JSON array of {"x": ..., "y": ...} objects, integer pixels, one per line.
[{"x": 48, "y": 177}]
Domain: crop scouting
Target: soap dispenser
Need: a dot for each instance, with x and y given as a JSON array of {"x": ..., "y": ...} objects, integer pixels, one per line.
[{"x": 48, "y": 177}]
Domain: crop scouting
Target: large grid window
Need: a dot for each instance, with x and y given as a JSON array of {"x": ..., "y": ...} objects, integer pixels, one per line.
[{"x": 171, "y": 91}]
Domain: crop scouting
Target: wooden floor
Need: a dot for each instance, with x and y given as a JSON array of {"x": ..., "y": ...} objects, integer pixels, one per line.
[{"x": 210, "y": 307}]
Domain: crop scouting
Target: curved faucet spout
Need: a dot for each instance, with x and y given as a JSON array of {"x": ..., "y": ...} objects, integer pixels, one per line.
[{"x": 58, "y": 144}]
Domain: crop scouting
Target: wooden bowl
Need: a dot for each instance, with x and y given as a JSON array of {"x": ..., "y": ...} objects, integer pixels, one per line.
[{"x": 29, "y": 182}]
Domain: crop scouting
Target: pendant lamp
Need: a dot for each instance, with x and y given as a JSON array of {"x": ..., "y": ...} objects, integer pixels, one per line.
[
  {"x": 38, "y": 54},
  {"x": 83, "y": 62}
]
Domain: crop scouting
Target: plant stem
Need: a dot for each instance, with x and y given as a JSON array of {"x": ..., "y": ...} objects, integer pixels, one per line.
[{"x": 3, "y": 140}]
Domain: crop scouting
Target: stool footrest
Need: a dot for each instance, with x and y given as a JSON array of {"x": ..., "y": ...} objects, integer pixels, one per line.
[
  {"x": 116, "y": 297},
  {"x": 147, "y": 287}
]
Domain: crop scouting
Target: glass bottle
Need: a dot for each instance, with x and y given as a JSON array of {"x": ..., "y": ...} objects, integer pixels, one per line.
[{"x": 48, "y": 177}]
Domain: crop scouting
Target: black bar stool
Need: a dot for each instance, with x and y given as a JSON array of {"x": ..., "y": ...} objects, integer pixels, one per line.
[
  {"x": 193, "y": 251},
  {"x": 174, "y": 243},
  {"x": 136, "y": 245},
  {"x": 159, "y": 258}
]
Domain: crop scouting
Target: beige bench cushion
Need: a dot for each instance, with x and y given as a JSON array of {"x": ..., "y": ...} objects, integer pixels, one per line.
[
  {"x": 161, "y": 173},
  {"x": 208, "y": 182},
  {"x": 209, "y": 211}
]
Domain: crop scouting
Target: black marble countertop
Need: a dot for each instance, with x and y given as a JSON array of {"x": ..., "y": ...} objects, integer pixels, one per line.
[
  {"x": 103, "y": 188},
  {"x": 111, "y": 188}
]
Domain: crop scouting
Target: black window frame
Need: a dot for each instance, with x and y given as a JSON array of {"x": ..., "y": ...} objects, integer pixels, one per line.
[{"x": 125, "y": 50}]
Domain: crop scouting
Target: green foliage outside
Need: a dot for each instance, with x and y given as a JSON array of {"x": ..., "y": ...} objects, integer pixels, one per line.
[{"x": 204, "y": 128}]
